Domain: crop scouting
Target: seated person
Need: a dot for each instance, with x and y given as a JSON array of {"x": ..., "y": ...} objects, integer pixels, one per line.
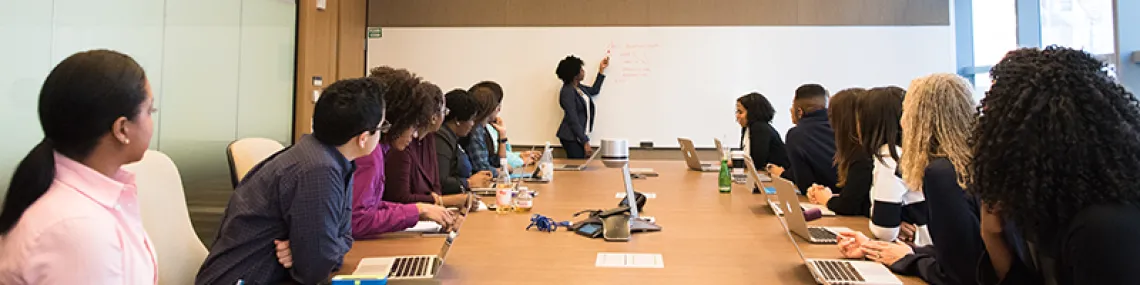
[
  {"x": 1055, "y": 167},
  {"x": 410, "y": 167},
  {"x": 497, "y": 129},
  {"x": 371, "y": 215},
  {"x": 757, "y": 136},
  {"x": 483, "y": 156},
  {"x": 71, "y": 214},
  {"x": 854, "y": 165},
  {"x": 301, "y": 195},
  {"x": 892, "y": 202},
  {"x": 454, "y": 166},
  {"x": 939, "y": 111},
  {"x": 811, "y": 142}
]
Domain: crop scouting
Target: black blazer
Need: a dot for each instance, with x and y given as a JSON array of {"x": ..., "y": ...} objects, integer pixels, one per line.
[
  {"x": 447, "y": 152},
  {"x": 574, "y": 125},
  {"x": 766, "y": 146}
]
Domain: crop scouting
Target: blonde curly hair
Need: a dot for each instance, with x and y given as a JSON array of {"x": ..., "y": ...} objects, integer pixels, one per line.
[{"x": 938, "y": 117}]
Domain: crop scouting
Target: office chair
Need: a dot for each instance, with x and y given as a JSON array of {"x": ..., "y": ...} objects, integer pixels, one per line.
[
  {"x": 244, "y": 154},
  {"x": 166, "y": 218}
]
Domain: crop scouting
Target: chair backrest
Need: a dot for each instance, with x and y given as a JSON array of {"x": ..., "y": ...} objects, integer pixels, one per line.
[
  {"x": 246, "y": 153},
  {"x": 166, "y": 218}
]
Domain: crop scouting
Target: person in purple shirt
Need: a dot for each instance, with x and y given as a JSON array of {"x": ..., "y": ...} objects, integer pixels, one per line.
[{"x": 371, "y": 215}]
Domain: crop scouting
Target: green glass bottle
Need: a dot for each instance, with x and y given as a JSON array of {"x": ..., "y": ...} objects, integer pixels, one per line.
[{"x": 725, "y": 182}]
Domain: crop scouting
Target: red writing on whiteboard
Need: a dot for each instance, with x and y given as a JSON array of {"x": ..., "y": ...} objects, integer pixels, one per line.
[{"x": 634, "y": 60}]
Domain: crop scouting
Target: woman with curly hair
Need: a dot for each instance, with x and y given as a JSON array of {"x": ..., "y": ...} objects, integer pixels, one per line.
[
  {"x": 410, "y": 109},
  {"x": 577, "y": 102},
  {"x": 758, "y": 138},
  {"x": 1057, "y": 167},
  {"x": 938, "y": 116}
]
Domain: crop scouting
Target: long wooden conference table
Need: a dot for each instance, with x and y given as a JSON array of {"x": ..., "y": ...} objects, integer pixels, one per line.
[{"x": 707, "y": 237}]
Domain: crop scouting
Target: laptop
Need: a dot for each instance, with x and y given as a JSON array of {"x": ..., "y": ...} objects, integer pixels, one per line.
[
  {"x": 822, "y": 210},
  {"x": 578, "y": 167},
  {"x": 750, "y": 170},
  {"x": 789, "y": 204},
  {"x": 840, "y": 271},
  {"x": 536, "y": 175},
  {"x": 693, "y": 160},
  {"x": 406, "y": 269}
]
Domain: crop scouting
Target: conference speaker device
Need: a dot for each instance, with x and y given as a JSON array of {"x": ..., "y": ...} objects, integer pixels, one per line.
[{"x": 615, "y": 154}]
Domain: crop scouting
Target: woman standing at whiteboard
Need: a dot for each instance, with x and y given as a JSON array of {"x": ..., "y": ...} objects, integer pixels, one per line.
[{"x": 577, "y": 104}]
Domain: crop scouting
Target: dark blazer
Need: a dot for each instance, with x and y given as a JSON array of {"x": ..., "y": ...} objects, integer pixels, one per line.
[
  {"x": 447, "y": 151},
  {"x": 411, "y": 175},
  {"x": 953, "y": 257},
  {"x": 574, "y": 125},
  {"x": 810, "y": 146},
  {"x": 766, "y": 146}
]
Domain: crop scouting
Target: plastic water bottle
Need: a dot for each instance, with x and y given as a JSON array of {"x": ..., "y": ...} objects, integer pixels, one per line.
[
  {"x": 524, "y": 200},
  {"x": 504, "y": 192},
  {"x": 504, "y": 172},
  {"x": 546, "y": 164},
  {"x": 725, "y": 182}
]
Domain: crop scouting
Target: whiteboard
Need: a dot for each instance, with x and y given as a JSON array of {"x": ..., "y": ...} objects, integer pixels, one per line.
[{"x": 663, "y": 82}]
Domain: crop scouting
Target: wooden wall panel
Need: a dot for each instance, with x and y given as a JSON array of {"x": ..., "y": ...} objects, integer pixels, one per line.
[
  {"x": 588, "y": 13},
  {"x": 314, "y": 44},
  {"x": 330, "y": 45},
  {"x": 351, "y": 39}
]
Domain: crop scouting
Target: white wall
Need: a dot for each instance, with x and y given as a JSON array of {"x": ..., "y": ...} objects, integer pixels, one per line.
[
  {"x": 664, "y": 82},
  {"x": 220, "y": 69}
]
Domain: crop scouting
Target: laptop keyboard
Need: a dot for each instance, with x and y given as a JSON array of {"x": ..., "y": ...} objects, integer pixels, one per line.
[
  {"x": 821, "y": 234},
  {"x": 572, "y": 166},
  {"x": 410, "y": 266},
  {"x": 834, "y": 270}
]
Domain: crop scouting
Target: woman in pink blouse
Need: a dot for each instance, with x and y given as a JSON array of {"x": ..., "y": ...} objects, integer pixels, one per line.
[{"x": 71, "y": 215}]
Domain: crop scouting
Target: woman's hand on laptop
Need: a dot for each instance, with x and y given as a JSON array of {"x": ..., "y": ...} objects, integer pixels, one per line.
[
  {"x": 851, "y": 244},
  {"x": 481, "y": 179},
  {"x": 284, "y": 254},
  {"x": 438, "y": 214}
]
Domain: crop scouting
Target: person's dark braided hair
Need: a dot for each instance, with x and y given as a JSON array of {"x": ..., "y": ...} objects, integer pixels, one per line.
[
  {"x": 1057, "y": 135},
  {"x": 405, "y": 109}
]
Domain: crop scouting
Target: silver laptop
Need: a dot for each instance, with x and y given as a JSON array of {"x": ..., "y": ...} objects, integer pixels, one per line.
[
  {"x": 408, "y": 268},
  {"x": 578, "y": 167},
  {"x": 840, "y": 271},
  {"x": 822, "y": 210},
  {"x": 693, "y": 160},
  {"x": 789, "y": 204},
  {"x": 750, "y": 170},
  {"x": 536, "y": 175}
]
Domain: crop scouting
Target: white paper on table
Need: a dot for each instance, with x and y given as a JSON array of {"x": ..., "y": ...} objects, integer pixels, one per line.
[
  {"x": 630, "y": 260},
  {"x": 425, "y": 227}
]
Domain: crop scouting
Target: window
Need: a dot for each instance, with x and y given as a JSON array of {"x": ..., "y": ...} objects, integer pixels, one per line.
[
  {"x": 995, "y": 30},
  {"x": 1081, "y": 24},
  {"x": 995, "y": 34}
]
